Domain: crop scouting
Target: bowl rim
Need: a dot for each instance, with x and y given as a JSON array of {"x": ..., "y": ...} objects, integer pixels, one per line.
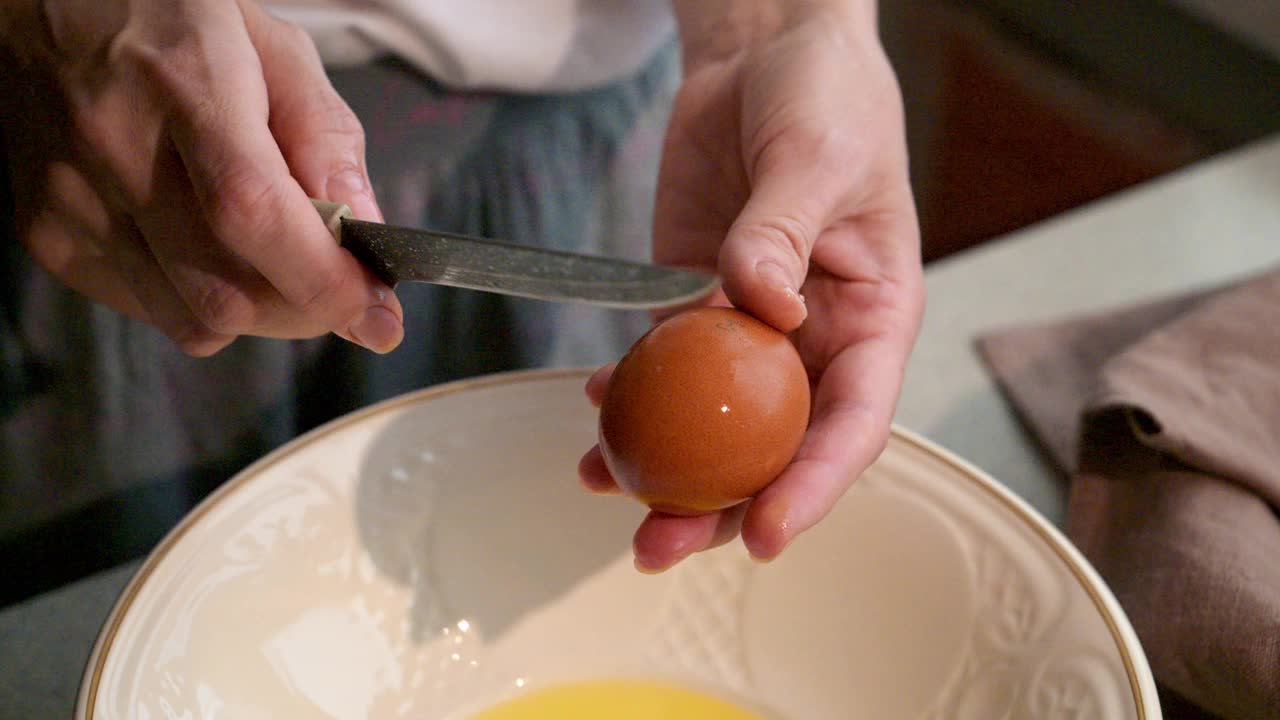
[{"x": 1141, "y": 682}]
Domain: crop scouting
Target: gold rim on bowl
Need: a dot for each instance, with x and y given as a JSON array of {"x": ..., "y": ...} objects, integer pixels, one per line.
[{"x": 1107, "y": 606}]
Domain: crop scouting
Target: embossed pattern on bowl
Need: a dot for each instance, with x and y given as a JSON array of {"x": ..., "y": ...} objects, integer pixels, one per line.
[{"x": 433, "y": 554}]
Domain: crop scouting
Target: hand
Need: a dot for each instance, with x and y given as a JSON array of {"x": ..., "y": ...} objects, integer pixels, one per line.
[
  {"x": 162, "y": 155},
  {"x": 785, "y": 167}
]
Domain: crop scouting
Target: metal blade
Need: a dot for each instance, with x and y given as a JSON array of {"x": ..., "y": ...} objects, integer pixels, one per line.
[{"x": 398, "y": 254}]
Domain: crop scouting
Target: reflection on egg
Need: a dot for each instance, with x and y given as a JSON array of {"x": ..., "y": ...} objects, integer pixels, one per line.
[
  {"x": 704, "y": 411},
  {"x": 615, "y": 700}
]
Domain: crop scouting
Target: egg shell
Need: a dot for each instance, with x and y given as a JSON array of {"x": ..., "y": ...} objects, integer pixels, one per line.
[{"x": 704, "y": 411}]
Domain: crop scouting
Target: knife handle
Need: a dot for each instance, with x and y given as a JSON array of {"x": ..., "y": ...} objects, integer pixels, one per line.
[{"x": 332, "y": 213}]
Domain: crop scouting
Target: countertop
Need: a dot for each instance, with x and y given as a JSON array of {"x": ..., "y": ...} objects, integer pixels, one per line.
[{"x": 1201, "y": 226}]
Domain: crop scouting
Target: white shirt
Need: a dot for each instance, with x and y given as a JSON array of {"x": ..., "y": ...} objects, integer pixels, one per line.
[{"x": 529, "y": 45}]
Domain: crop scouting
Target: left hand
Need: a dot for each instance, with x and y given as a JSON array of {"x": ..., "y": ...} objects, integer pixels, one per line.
[{"x": 785, "y": 168}]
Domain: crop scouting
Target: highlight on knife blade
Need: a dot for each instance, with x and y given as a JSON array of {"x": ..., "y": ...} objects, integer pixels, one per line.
[{"x": 399, "y": 254}]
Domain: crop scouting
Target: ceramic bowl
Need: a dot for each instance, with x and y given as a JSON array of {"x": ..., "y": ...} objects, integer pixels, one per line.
[{"x": 434, "y": 554}]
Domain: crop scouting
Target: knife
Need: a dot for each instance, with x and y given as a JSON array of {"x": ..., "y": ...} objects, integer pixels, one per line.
[{"x": 400, "y": 254}]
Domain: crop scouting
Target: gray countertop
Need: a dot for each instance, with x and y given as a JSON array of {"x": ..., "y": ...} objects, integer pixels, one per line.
[
  {"x": 45, "y": 642},
  {"x": 1198, "y": 227},
  {"x": 1201, "y": 226}
]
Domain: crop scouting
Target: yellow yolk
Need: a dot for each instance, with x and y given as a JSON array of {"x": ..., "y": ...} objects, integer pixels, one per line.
[{"x": 615, "y": 700}]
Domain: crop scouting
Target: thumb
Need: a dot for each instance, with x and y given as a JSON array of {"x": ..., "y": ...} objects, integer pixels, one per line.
[{"x": 765, "y": 257}]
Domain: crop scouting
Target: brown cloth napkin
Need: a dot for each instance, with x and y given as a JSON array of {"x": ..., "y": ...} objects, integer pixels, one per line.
[{"x": 1166, "y": 419}]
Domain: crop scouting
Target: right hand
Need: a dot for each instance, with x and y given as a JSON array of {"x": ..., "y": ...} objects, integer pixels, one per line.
[{"x": 162, "y": 154}]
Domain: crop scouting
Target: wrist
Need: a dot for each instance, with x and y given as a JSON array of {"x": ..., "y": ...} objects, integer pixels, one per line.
[{"x": 715, "y": 30}]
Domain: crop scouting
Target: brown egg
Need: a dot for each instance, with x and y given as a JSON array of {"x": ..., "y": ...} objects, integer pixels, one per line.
[{"x": 704, "y": 411}]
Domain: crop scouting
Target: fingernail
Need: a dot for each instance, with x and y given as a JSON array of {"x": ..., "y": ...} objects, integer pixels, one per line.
[
  {"x": 645, "y": 569},
  {"x": 759, "y": 554},
  {"x": 775, "y": 276},
  {"x": 377, "y": 329},
  {"x": 602, "y": 490},
  {"x": 351, "y": 187}
]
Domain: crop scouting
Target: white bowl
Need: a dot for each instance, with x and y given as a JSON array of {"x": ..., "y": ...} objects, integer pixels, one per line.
[{"x": 434, "y": 553}]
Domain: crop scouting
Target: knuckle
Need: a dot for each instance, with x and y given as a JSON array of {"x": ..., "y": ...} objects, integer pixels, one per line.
[
  {"x": 324, "y": 289},
  {"x": 338, "y": 118},
  {"x": 291, "y": 35},
  {"x": 129, "y": 51},
  {"x": 245, "y": 206},
  {"x": 196, "y": 340},
  {"x": 224, "y": 309},
  {"x": 879, "y": 444},
  {"x": 834, "y": 140},
  {"x": 786, "y": 233},
  {"x": 169, "y": 67},
  {"x": 325, "y": 113},
  {"x": 829, "y": 150},
  {"x": 832, "y": 148},
  {"x": 331, "y": 108}
]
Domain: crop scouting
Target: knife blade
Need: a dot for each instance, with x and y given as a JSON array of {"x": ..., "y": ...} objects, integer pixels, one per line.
[{"x": 401, "y": 254}]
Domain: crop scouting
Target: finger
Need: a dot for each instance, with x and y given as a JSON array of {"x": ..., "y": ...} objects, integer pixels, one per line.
[
  {"x": 853, "y": 409},
  {"x": 765, "y": 256},
  {"x": 222, "y": 291},
  {"x": 66, "y": 227},
  {"x": 105, "y": 258},
  {"x": 598, "y": 384},
  {"x": 165, "y": 306},
  {"x": 204, "y": 291},
  {"x": 663, "y": 540},
  {"x": 320, "y": 137},
  {"x": 730, "y": 525},
  {"x": 258, "y": 211},
  {"x": 594, "y": 475},
  {"x": 56, "y": 242}
]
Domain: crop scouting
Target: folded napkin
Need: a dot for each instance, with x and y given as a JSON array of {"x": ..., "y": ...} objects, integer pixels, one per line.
[{"x": 1166, "y": 419}]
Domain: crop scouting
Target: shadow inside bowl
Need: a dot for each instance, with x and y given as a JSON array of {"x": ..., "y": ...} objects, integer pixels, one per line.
[{"x": 472, "y": 500}]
